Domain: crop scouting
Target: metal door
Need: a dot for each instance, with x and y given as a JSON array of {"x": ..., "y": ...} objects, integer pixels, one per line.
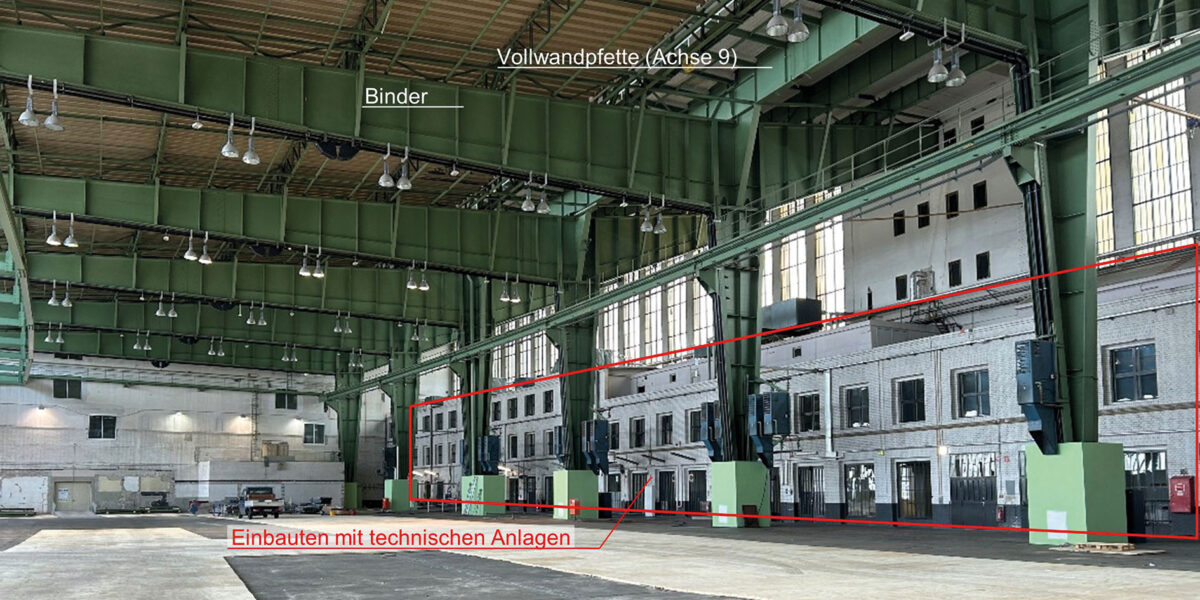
[
  {"x": 72, "y": 496},
  {"x": 810, "y": 491},
  {"x": 973, "y": 489},
  {"x": 914, "y": 494},
  {"x": 1146, "y": 473},
  {"x": 698, "y": 491},
  {"x": 636, "y": 481},
  {"x": 666, "y": 490}
]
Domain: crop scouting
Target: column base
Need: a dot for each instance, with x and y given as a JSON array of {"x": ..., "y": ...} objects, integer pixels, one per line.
[
  {"x": 737, "y": 485},
  {"x": 350, "y": 497},
  {"x": 1082, "y": 488},
  {"x": 396, "y": 493},
  {"x": 483, "y": 488},
  {"x": 580, "y": 486}
]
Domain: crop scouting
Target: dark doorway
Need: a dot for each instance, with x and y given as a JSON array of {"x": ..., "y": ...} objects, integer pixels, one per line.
[
  {"x": 914, "y": 494},
  {"x": 973, "y": 489},
  {"x": 810, "y": 491},
  {"x": 1146, "y": 477},
  {"x": 860, "y": 490},
  {"x": 666, "y": 491},
  {"x": 1024, "y": 484},
  {"x": 636, "y": 482},
  {"x": 776, "y": 480},
  {"x": 514, "y": 490},
  {"x": 530, "y": 493},
  {"x": 548, "y": 491},
  {"x": 698, "y": 491}
]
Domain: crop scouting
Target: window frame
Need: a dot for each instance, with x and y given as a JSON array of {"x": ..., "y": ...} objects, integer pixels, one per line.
[
  {"x": 850, "y": 410},
  {"x": 1136, "y": 374},
  {"x": 902, "y": 386},
  {"x": 666, "y": 429},
  {"x": 637, "y": 432},
  {"x": 313, "y": 431},
  {"x": 103, "y": 429},
  {"x": 981, "y": 394},
  {"x": 808, "y": 418}
]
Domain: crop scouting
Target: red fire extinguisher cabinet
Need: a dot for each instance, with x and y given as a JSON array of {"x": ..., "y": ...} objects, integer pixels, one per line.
[{"x": 1182, "y": 488}]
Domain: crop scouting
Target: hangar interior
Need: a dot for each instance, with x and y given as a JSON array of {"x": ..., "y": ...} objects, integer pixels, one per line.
[{"x": 882, "y": 276}]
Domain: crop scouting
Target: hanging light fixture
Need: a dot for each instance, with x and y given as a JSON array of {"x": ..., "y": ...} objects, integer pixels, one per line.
[
  {"x": 543, "y": 207},
  {"x": 28, "y": 118},
  {"x": 262, "y": 314},
  {"x": 251, "y": 157},
  {"x": 205, "y": 259},
  {"x": 229, "y": 150},
  {"x": 137, "y": 340},
  {"x": 347, "y": 329},
  {"x": 52, "y": 122},
  {"x": 424, "y": 285},
  {"x": 196, "y": 124},
  {"x": 211, "y": 350},
  {"x": 337, "y": 323},
  {"x": 146, "y": 346},
  {"x": 71, "y": 242},
  {"x": 318, "y": 271},
  {"x": 777, "y": 26},
  {"x": 907, "y": 34},
  {"x": 53, "y": 301},
  {"x": 799, "y": 31},
  {"x": 528, "y": 205},
  {"x": 957, "y": 77},
  {"x": 142, "y": 296},
  {"x": 454, "y": 172},
  {"x": 403, "y": 182},
  {"x": 66, "y": 301},
  {"x": 250, "y": 315},
  {"x": 53, "y": 238},
  {"x": 294, "y": 359},
  {"x": 59, "y": 339},
  {"x": 416, "y": 335},
  {"x": 515, "y": 295},
  {"x": 659, "y": 227},
  {"x": 646, "y": 227},
  {"x": 385, "y": 180},
  {"x": 426, "y": 336},
  {"x": 504, "y": 297},
  {"x": 160, "y": 312},
  {"x": 171, "y": 313},
  {"x": 284, "y": 358},
  {"x": 191, "y": 251},
  {"x": 49, "y": 332},
  {"x": 305, "y": 271},
  {"x": 938, "y": 72},
  {"x": 412, "y": 282},
  {"x": 221, "y": 348}
]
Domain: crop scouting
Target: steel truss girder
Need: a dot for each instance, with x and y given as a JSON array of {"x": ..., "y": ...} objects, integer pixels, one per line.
[
  {"x": 486, "y": 243},
  {"x": 1067, "y": 110},
  {"x": 582, "y": 146}
]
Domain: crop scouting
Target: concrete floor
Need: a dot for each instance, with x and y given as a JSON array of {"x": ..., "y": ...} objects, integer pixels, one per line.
[{"x": 181, "y": 557}]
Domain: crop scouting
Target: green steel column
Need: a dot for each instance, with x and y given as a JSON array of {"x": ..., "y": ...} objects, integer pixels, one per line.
[
  {"x": 475, "y": 372},
  {"x": 735, "y": 293},
  {"x": 349, "y": 411},
  {"x": 403, "y": 394},
  {"x": 577, "y": 350}
]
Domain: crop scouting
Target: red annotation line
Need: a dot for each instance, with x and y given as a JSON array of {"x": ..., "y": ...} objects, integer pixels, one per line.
[
  {"x": 623, "y": 511},
  {"x": 1196, "y": 422}
]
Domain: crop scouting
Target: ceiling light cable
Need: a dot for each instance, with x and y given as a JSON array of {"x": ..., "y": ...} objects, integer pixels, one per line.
[
  {"x": 28, "y": 118},
  {"x": 53, "y": 123},
  {"x": 251, "y": 157},
  {"x": 229, "y": 150}
]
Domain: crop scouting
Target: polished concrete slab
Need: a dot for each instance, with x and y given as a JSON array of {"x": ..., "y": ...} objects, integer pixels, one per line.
[{"x": 183, "y": 557}]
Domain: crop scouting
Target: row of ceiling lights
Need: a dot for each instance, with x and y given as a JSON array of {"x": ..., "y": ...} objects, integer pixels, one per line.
[
  {"x": 29, "y": 118},
  {"x": 66, "y": 299},
  {"x": 50, "y": 339}
]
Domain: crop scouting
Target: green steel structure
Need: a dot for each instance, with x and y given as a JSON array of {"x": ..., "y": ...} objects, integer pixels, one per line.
[{"x": 709, "y": 152}]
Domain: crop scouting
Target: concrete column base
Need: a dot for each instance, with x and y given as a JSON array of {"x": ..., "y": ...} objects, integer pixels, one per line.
[
  {"x": 581, "y": 486},
  {"x": 736, "y": 485},
  {"x": 396, "y": 492},
  {"x": 1082, "y": 488},
  {"x": 483, "y": 488}
]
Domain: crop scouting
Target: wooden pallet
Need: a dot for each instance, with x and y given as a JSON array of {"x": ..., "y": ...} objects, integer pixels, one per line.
[{"x": 1125, "y": 549}]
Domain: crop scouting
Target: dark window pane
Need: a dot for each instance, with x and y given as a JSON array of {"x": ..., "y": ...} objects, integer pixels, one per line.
[{"x": 898, "y": 223}]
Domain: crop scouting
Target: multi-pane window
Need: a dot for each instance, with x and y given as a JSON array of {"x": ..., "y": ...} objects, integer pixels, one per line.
[
  {"x": 530, "y": 444},
  {"x": 858, "y": 407},
  {"x": 665, "y": 430},
  {"x": 983, "y": 265},
  {"x": 549, "y": 435},
  {"x": 652, "y": 322},
  {"x": 672, "y": 316},
  {"x": 972, "y": 396},
  {"x": 428, "y": 456},
  {"x": 693, "y": 422},
  {"x": 898, "y": 223},
  {"x": 951, "y": 205},
  {"x": 830, "y": 269},
  {"x": 529, "y": 405},
  {"x": 614, "y": 435},
  {"x": 901, "y": 287},
  {"x": 949, "y": 137},
  {"x": 786, "y": 261},
  {"x": 71, "y": 388},
  {"x": 512, "y": 446},
  {"x": 910, "y": 400},
  {"x": 679, "y": 335},
  {"x": 441, "y": 456},
  {"x": 425, "y": 423},
  {"x": 702, "y": 315},
  {"x": 1159, "y": 164},
  {"x": 955, "y": 273},
  {"x": 512, "y": 407},
  {"x": 548, "y": 401},
  {"x": 808, "y": 412},
  {"x": 637, "y": 432},
  {"x": 1134, "y": 373},
  {"x": 979, "y": 195},
  {"x": 527, "y": 357},
  {"x": 453, "y": 419},
  {"x": 495, "y": 410},
  {"x": 631, "y": 326},
  {"x": 314, "y": 433},
  {"x": 922, "y": 215},
  {"x": 102, "y": 427},
  {"x": 977, "y": 125},
  {"x": 283, "y": 401},
  {"x": 438, "y": 422},
  {"x": 1105, "y": 238}
]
